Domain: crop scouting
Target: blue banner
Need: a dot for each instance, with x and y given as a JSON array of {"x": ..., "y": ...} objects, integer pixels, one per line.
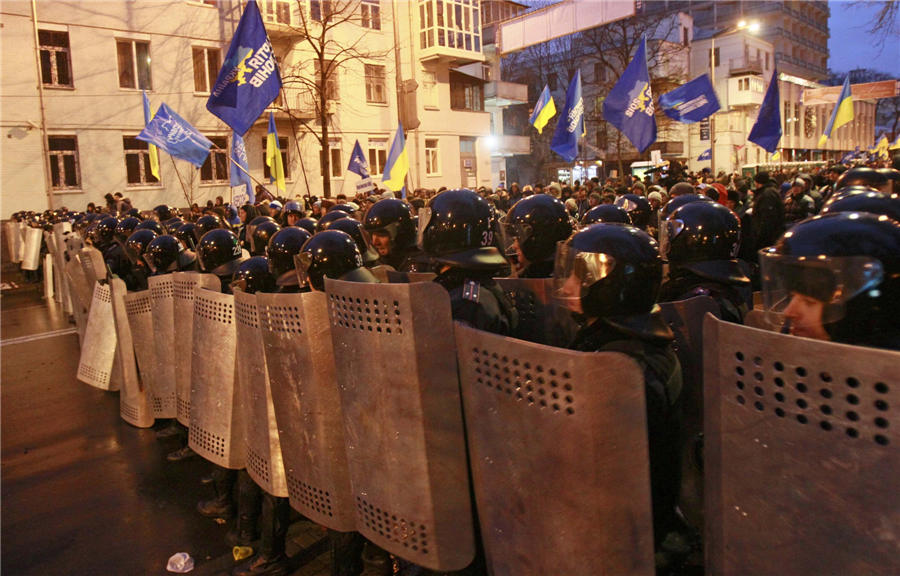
[
  {"x": 175, "y": 135},
  {"x": 629, "y": 106},
  {"x": 691, "y": 102},
  {"x": 570, "y": 126},
  {"x": 707, "y": 155},
  {"x": 239, "y": 157},
  {"x": 249, "y": 80},
  {"x": 358, "y": 164},
  {"x": 766, "y": 132}
]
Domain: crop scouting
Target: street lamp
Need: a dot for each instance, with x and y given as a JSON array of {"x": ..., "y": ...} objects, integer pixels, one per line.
[{"x": 741, "y": 25}]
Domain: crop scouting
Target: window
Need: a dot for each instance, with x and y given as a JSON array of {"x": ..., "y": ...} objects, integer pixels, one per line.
[
  {"x": 450, "y": 23},
  {"x": 63, "y": 152},
  {"x": 377, "y": 155},
  {"x": 137, "y": 162},
  {"x": 685, "y": 38},
  {"x": 797, "y": 118},
  {"x": 371, "y": 14},
  {"x": 601, "y": 73},
  {"x": 134, "y": 64},
  {"x": 466, "y": 93},
  {"x": 206, "y": 68},
  {"x": 767, "y": 60},
  {"x": 335, "y": 160},
  {"x": 215, "y": 169},
  {"x": 319, "y": 10},
  {"x": 56, "y": 64},
  {"x": 332, "y": 86},
  {"x": 432, "y": 157},
  {"x": 716, "y": 55},
  {"x": 277, "y": 11},
  {"x": 786, "y": 121},
  {"x": 283, "y": 146},
  {"x": 429, "y": 86},
  {"x": 375, "y": 90}
]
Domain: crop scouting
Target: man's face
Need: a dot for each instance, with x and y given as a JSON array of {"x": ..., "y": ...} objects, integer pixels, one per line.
[
  {"x": 581, "y": 194},
  {"x": 805, "y": 316},
  {"x": 292, "y": 218},
  {"x": 381, "y": 242}
]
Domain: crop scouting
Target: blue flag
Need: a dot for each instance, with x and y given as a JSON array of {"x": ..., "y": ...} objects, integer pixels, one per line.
[
  {"x": 707, "y": 155},
  {"x": 691, "y": 102},
  {"x": 239, "y": 157},
  {"x": 629, "y": 106},
  {"x": 570, "y": 126},
  {"x": 766, "y": 132},
  {"x": 358, "y": 164},
  {"x": 249, "y": 80},
  {"x": 176, "y": 136}
]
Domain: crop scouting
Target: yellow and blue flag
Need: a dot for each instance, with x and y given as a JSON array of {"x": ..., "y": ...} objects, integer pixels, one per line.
[
  {"x": 544, "y": 110},
  {"x": 629, "y": 106},
  {"x": 239, "y": 158},
  {"x": 691, "y": 102},
  {"x": 842, "y": 113},
  {"x": 249, "y": 79},
  {"x": 154, "y": 153},
  {"x": 397, "y": 166},
  {"x": 766, "y": 132},
  {"x": 570, "y": 126},
  {"x": 896, "y": 144},
  {"x": 176, "y": 136},
  {"x": 882, "y": 147},
  {"x": 273, "y": 156}
]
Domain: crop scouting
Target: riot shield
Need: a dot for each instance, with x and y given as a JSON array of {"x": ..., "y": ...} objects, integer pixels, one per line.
[
  {"x": 60, "y": 231},
  {"x": 217, "y": 424},
  {"x": 395, "y": 277},
  {"x": 11, "y": 230},
  {"x": 134, "y": 398},
  {"x": 93, "y": 264},
  {"x": 49, "y": 278},
  {"x": 81, "y": 295},
  {"x": 162, "y": 305},
  {"x": 98, "y": 348},
  {"x": 184, "y": 285},
  {"x": 139, "y": 309},
  {"x": 399, "y": 387},
  {"x": 801, "y": 461},
  {"x": 300, "y": 357},
  {"x": 558, "y": 448},
  {"x": 685, "y": 318},
  {"x": 31, "y": 255},
  {"x": 758, "y": 318},
  {"x": 20, "y": 241},
  {"x": 539, "y": 320}
]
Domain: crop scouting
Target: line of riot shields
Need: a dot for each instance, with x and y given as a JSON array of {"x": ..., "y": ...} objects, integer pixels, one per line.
[{"x": 372, "y": 411}]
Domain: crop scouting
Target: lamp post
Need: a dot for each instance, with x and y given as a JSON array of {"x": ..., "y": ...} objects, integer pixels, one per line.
[{"x": 741, "y": 25}]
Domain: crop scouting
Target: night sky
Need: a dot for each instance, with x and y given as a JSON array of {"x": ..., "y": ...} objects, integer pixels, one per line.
[{"x": 849, "y": 45}]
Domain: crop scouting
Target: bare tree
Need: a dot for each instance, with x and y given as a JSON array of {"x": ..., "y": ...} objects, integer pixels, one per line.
[{"x": 883, "y": 27}]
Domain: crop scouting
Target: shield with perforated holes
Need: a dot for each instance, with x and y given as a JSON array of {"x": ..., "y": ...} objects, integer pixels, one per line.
[
  {"x": 139, "y": 308},
  {"x": 99, "y": 346},
  {"x": 162, "y": 305},
  {"x": 801, "y": 460},
  {"x": 217, "y": 423},
  {"x": 135, "y": 403},
  {"x": 264, "y": 460},
  {"x": 81, "y": 294},
  {"x": 558, "y": 449},
  {"x": 60, "y": 231},
  {"x": 93, "y": 264},
  {"x": 539, "y": 320},
  {"x": 300, "y": 359},
  {"x": 184, "y": 284},
  {"x": 403, "y": 420}
]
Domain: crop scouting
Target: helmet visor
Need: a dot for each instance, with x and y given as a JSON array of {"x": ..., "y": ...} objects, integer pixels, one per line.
[
  {"x": 303, "y": 262},
  {"x": 668, "y": 230},
  {"x": 514, "y": 231},
  {"x": 806, "y": 292},
  {"x": 575, "y": 272},
  {"x": 424, "y": 219}
]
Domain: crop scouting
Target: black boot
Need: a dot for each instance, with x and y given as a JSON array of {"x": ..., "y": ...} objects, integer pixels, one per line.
[
  {"x": 245, "y": 529},
  {"x": 260, "y": 565},
  {"x": 181, "y": 454},
  {"x": 222, "y": 506}
]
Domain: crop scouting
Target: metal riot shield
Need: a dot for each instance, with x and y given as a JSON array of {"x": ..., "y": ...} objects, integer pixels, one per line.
[
  {"x": 184, "y": 285},
  {"x": 539, "y": 320},
  {"x": 21, "y": 227},
  {"x": 99, "y": 346},
  {"x": 11, "y": 230},
  {"x": 395, "y": 277},
  {"x": 162, "y": 305},
  {"x": 264, "y": 460},
  {"x": 802, "y": 459},
  {"x": 139, "y": 309},
  {"x": 217, "y": 423},
  {"x": 31, "y": 255},
  {"x": 93, "y": 264},
  {"x": 559, "y": 455},
  {"x": 81, "y": 295},
  {"x": 60, "y": 231},
  {"x": 135, "y": 405},
  {"x": 756, "y": 318},
  {"x": 300, "y": 357},
  {"x": 685, "y": 318},
  {"x": 49, "y": 281},
  {"x": 399, "y": 386}
]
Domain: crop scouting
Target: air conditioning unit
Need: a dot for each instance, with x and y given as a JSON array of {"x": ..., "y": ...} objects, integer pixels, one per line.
[{"x": 331, "y": 107}]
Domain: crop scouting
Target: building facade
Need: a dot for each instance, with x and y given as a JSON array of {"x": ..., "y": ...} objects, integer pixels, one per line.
[{"x": 78, "y": 69}]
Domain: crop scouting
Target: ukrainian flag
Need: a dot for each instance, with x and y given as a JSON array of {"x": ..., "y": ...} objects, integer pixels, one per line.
[
  {"x": 273, "y": 156},
  {"x": 154, "y": 154},
  {"x": 882, "y": 147},
  {"x": 843, "y": 112},
  {"x": 397, "y": 165},
  {"x": 544, "y": 110}
]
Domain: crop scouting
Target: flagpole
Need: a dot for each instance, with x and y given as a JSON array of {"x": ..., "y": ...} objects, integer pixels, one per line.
[
  {"x": 183, "y": 189},
  {"x": 287, "y": 109}
]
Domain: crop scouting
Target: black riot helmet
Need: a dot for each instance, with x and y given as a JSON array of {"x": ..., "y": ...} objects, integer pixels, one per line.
[
  {"x": 151, "y": 225},
  {"x": 167, "y": 254},
  {"x": 354, "y": 228},
  {"x": 186, "y": 233},
  {"x": 347, "y": 208},
  {"x": 252, "y": 276},
  {"x": 206, "y": 223},
  {"x": 871, "y": 201},
  {"x": 837, "y": 276},
  {"x": 849, "y": 191},
  {"x": 537, "y": 222},
  {"x": 164, "y": 212},
  {"x": 861, "y": 175},
  {"x": 308, "y": 224},
  {"x": 457, "y": 228},
  {"x": 172, "y": 224},
  {"x": 393, "y": 217},
  {"x": 284, "y": 245},
  {"x": 125, "y": 227},
  {"x": 679, "y": 201},
  {"x": 638, "y": 209},
  {"x": 704, "y": 237},
  {"x": 331, "y": 254},
  {"x": 608, "y": 270},
  {"x": 105, "y": 231},
  {"x": 605, "y": 213},
  {"x": 219, "y": 252},
  {"x": 136, "y": 245},
  {"x": 328, "y": 218},
  {"x": 261, "y": 235}
]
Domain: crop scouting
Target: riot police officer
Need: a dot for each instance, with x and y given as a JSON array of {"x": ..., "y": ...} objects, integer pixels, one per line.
[
  {"x": 533, "y": 227},
  {"x": 392, "y": 233},
  {"x": 283, "y": 246}
]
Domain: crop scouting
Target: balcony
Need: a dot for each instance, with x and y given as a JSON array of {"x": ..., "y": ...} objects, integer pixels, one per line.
[
  {"x": 301, "y": 103},
  {"x": 502, "y": 94},
  {"x": 744, "y": 66},
  {"x": 511, "y": 145},
  {"x": 745, "y": 91},
  {"x": 449, "y": 31}
]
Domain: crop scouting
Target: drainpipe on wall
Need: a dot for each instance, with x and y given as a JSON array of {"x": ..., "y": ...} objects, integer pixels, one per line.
[{"x": 44, "y": 143}]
